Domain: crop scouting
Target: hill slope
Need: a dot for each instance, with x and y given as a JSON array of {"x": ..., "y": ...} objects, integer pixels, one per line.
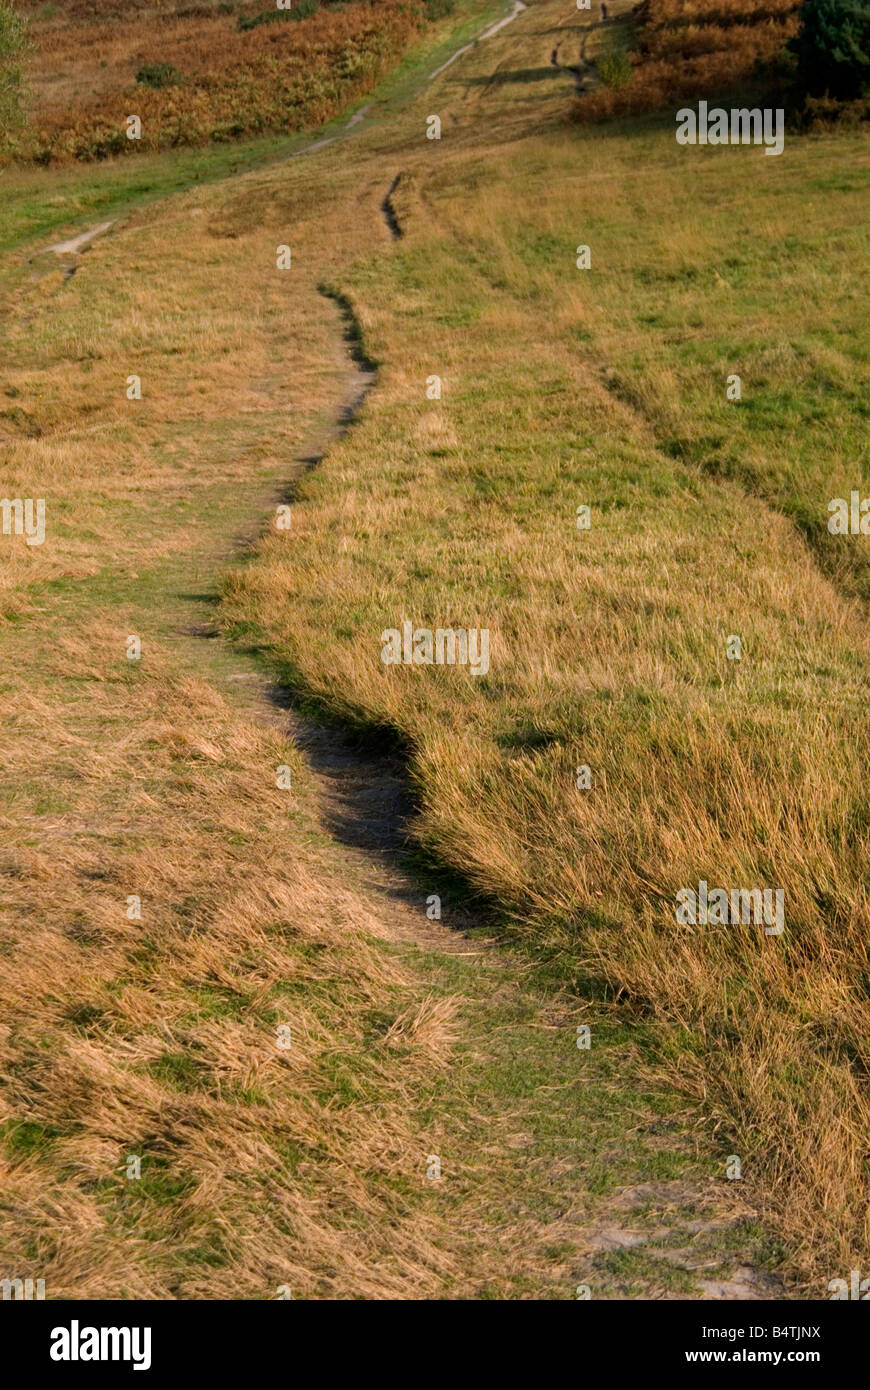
[{"x": 560, "y": 388}]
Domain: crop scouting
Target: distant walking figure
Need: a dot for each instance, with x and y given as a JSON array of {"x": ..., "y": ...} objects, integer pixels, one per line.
[
  {"x": 554, "y": 57},
  {"x": 603, "y": 13}
]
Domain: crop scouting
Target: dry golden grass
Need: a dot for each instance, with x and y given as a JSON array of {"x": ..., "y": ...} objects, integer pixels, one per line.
[
  {"x": 158, "y": 1037},
  {"x": 608, "y": 648}
]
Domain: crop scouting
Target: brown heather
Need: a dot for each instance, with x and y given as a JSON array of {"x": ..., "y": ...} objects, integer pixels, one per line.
[
  {"x": 683, "y": 51},
  {"x": 280, "y": 76}
]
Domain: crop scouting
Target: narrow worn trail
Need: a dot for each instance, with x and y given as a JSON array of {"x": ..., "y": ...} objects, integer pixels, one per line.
[{"x": 361, "y": 793}]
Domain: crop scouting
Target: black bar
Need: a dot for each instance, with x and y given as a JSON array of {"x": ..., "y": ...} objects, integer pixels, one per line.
[{"x": 299, "y": 1337}]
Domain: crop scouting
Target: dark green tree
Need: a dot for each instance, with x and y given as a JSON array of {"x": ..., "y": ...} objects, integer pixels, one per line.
[{"x": 833, "y": 47}]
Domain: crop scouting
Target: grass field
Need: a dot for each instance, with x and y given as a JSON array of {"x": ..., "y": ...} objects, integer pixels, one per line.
[{"x": 561, "y": 387}]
